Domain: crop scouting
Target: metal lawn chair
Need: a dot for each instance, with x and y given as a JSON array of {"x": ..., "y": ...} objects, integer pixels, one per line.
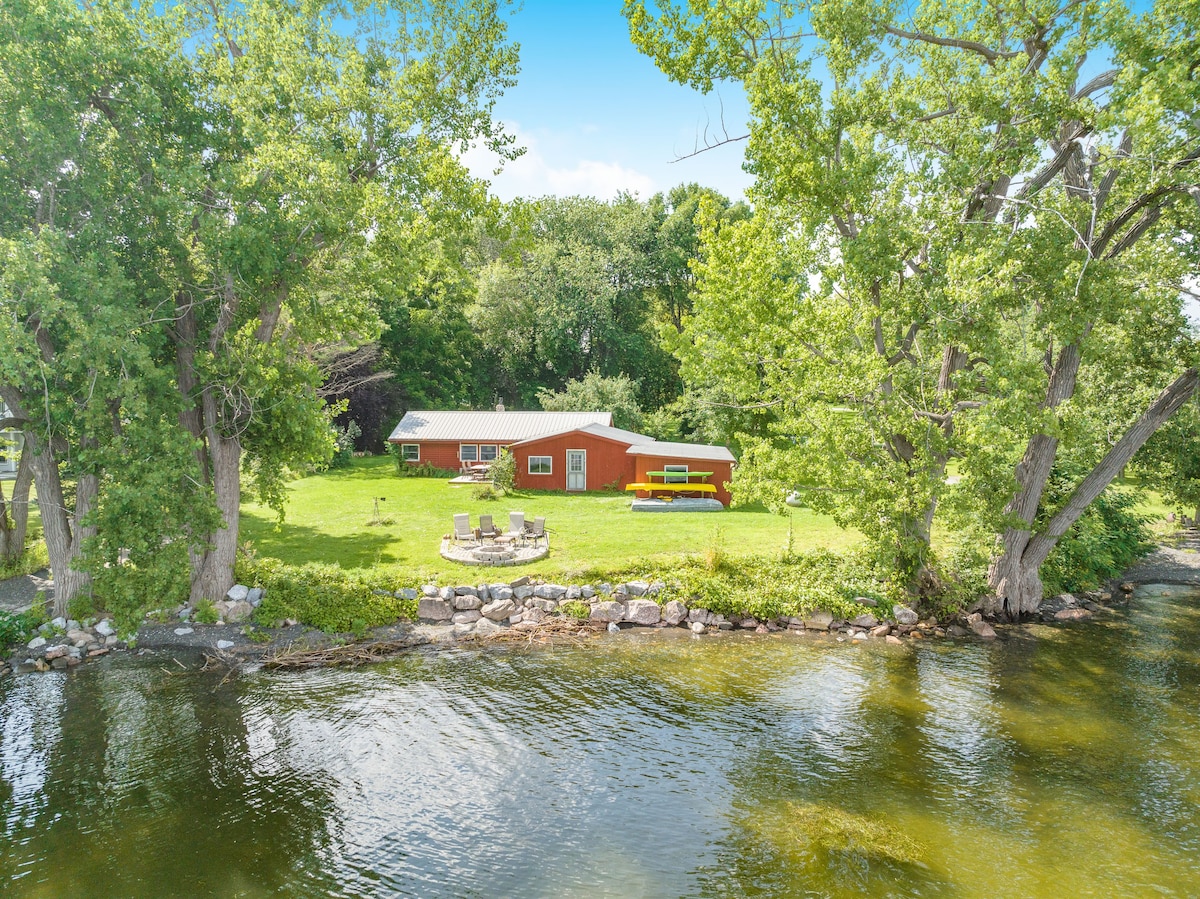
[
  {"x": 536, "y": 531},
  {"x": 487, "y": 530}
]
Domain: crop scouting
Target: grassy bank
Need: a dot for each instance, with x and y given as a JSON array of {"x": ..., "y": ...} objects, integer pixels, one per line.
[{"x": 329, "y": 514}]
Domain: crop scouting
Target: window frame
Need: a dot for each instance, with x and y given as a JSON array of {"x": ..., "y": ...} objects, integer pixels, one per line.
[
  {"x": 405, "y": 447},
  {"x": 463, "y": 446},
  {"x": 669, "y": 470},
  {"x": 549, "y": 465},
  {"x": 494, "y": 447}
]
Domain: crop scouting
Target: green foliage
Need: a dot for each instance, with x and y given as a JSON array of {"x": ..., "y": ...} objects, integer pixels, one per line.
[
  {"x": 576, "y": 608},
  {"x": 17, "y": 628},
  {"x": 962, "y": 247},
  {"x": 1108, "y": 538},
  {"x": 343, "y": 441},
  {"x": 206, "y": 612},
  {"x": 484, "y": 493},
  {"x": 504, "y": 471},
  {"x": 768, "y": 587},
  {"x": 422, "y": 470},
  {"x": 324, "y": 596},
  {"x": 34, "y": 558},
  {"x": 593, "y": 393},
  {"x": 1170, "y": 460}
]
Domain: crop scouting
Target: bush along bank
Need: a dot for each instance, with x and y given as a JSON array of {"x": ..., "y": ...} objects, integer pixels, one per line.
[{"x": 823, "y": 594}]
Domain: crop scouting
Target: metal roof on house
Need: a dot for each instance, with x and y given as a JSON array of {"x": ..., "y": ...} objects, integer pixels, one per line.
[
  {"x": 484, "y": 427},
  {"x": 682, "y": 451},
  {"x": 618, "y": 434}
]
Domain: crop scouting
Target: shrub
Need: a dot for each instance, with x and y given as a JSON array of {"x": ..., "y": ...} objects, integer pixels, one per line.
[
  {"x": 576, "y": 608},
  {"x": 16, "y": 628},
  {"x": 485, "y": 492},
  {"x": 206, "y": 612},
  {"x": 324, "y": 596},
  {"x": 504, "y": 472},
  {"x": 343, "y": 440},
  {"x": 1108, "y": 537},
  {"x": 422, "y": 470}
]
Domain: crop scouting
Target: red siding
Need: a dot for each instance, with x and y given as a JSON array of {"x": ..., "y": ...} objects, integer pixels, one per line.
[
  {"x": 442, "y": 453},
  {"x": 722, "y": 472},
  {"x": 607, "y": 462}
]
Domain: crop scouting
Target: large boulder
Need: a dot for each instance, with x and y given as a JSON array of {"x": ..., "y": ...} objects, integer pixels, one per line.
[
  {"x": 818, "y": 620},
  {"x": 238, "y": 611},
  {"x": 499, "y": 609},
  {"x": 485, "y": 627},
  {"x": 544, "y": 605},
  {"x": 704, "y": 616},
  {"x": 904, "y": 615},
  {"x": 500, "y": 591},
  {"x": 642, "y": 611},
  {"x": 434, "y": 610},
  {"x": 550, "y": 591},
  {"x": 868, "y": 621},
  {"x": 981, "y": 628},
  {"x": 467, "y": 602},
  {"x": 406, "y": 593},
  {"x": 468, "y": 617},
  {"x": 238, "y": 593},
  {"x": 465, "y": 590},
  {"x": 674, "y": 612},
  {"x": 635, "y": 588},
  {"x": 608, "y": 611},
  {"x": 522, "y": 592}
]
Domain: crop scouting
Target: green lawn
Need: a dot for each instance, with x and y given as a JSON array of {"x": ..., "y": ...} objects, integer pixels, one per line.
[{"x": 328, "y": 514}]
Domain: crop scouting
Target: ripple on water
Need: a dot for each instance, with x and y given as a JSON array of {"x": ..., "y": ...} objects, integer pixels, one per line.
[{"x": 637, "y": 765}]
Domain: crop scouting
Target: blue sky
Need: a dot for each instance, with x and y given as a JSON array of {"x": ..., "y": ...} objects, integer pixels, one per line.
[{"x": 597, "y": 117}]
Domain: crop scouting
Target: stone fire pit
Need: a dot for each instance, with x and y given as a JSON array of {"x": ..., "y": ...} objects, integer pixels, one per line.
[{"x": 494, "y": 554}]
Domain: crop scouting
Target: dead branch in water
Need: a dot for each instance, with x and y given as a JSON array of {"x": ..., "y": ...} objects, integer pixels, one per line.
[
  {"x": 347, "y": 654},
  {"x": 552, "y": 630}
]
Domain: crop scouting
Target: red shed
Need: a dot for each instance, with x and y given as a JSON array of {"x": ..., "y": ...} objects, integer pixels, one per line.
[{"x": 659, "y": 456}]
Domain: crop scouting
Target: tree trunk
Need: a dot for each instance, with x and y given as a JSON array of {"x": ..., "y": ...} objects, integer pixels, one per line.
[
  {"x": 14, "y": 517},
  {"x": 59, "y": 528},
  {"x": 1015, "y": 576},
  {"x": 212, "y": 566}
]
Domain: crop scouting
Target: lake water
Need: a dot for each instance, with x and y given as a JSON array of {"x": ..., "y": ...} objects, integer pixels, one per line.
[{"x": 1060, "y": 762}]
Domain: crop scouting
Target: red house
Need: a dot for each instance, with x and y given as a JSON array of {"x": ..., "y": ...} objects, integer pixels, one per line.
[
  {"x": 455, "y": 440},
  {"x": 569, "y": 451}
]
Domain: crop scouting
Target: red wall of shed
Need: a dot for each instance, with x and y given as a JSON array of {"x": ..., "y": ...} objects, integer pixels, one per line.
[
  {"x": 722, "y": 472},
  {"x": 606, "y": 462}
]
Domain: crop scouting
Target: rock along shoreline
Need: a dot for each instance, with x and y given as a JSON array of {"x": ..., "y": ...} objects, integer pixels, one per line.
[{"x": 537, "y": 611}]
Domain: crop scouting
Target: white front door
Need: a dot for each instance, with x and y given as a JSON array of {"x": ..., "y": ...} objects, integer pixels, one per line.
[{"x": 577, "y": 469}]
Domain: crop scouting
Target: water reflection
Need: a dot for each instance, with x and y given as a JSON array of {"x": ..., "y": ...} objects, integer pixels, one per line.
[{"x": 1059, "y": 762}]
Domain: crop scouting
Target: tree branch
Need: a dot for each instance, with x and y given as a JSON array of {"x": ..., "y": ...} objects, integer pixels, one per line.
[{"x": 992, "y": 56}]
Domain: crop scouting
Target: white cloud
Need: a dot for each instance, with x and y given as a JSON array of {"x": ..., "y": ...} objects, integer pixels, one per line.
[{"x": 534, "y": 175}]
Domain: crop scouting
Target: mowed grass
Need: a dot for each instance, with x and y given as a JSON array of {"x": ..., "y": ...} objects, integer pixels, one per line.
[{"x": 327, "y": 520}]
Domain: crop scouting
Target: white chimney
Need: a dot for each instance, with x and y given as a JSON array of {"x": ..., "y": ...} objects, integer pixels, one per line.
[{"x": 500, "y": 406}]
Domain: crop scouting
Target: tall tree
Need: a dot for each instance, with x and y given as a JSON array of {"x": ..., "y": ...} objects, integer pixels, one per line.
[
  {"x": 961, "y": 207},
  {"x": 328, "y": 140}
]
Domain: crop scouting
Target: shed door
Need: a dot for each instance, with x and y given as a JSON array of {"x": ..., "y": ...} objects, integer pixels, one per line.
[{"x": 577, "y": 469}]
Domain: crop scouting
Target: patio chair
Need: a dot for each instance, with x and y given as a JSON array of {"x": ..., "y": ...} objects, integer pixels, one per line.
[
  {"x": 536, "y": 531},
  {"x": 462, "y": 527},
  {"x": 516, "y": 526},
  {"x": 487, "y": 530}
]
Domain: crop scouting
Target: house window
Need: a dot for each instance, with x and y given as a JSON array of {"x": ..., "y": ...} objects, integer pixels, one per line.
[
  {"x": 488, "y": 452},
  {"x": 675, "y": 474},
  {"x": 468, "y": 452},
  {"x": 539, "y": 464},
  {"x": 410, "y": 452}
]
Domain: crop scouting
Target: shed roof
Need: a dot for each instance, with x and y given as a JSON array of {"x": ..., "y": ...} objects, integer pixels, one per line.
[
  {"x": 620, "y": 435},
  {"x": 669, "y": 450},
  {"x": 481, "y": 427}
]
